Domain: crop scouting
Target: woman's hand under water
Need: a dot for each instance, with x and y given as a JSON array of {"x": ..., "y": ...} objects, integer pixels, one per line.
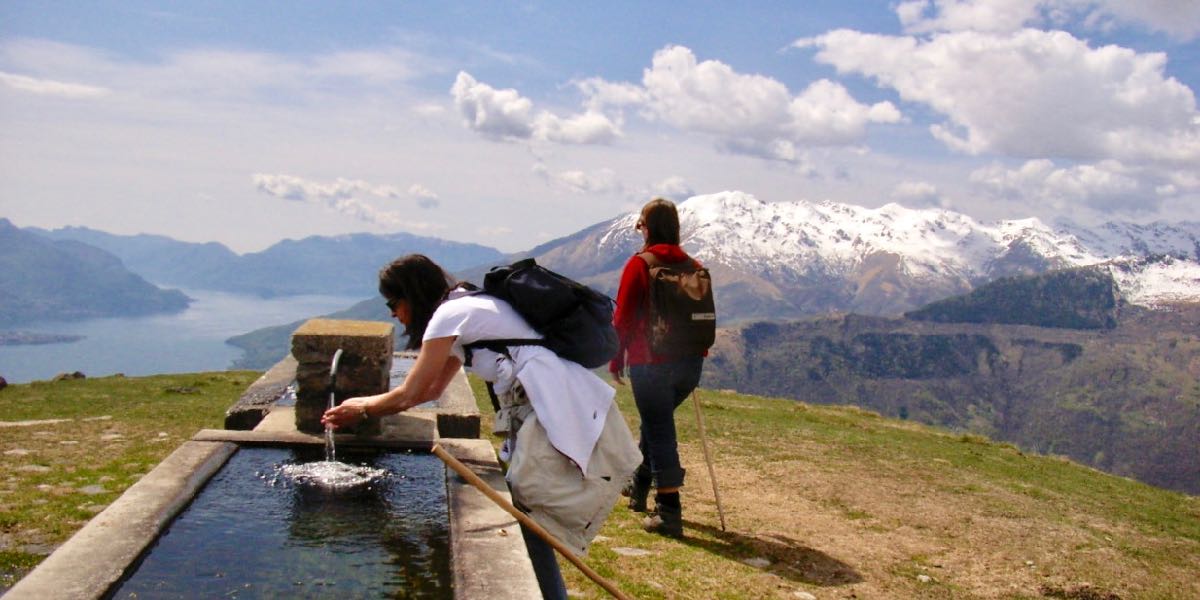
[{"x": 350, "y": 412}]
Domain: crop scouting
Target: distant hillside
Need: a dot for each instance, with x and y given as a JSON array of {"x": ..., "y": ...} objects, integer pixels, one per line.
[
  {"x": 157, "y": 258},
  {"x": 337, "y": 265},
  {"x": 347, "y": 264},
  {"x": 1091, "y": 301},
  {"x": 67, "y": 280},
  {"x": 262, "y": 348},
  {"x": 1125, "y": 400}
]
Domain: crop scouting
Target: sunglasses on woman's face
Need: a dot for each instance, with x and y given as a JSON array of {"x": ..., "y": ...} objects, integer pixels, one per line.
[
  {"x": 392, "y": 304},
  {"x": 640, "y": 225}
]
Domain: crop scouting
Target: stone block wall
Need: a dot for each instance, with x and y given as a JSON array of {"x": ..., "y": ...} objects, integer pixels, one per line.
[{"x": 363, "y": 369}]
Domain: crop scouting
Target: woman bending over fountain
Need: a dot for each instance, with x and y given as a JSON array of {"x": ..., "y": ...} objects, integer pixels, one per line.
[{"x": 567, "y": 447}]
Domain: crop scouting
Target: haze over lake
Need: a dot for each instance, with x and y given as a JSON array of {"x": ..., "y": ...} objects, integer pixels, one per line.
[{"x": 189, "y": 341}]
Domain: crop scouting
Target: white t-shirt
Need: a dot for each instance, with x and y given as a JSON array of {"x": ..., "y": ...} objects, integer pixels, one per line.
[
  {"x": 474, "y": 317},
  {"x": 571, "y": 402}
]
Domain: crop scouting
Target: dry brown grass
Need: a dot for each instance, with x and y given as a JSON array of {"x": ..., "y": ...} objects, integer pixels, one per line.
[{"x": 840, "y": 503}]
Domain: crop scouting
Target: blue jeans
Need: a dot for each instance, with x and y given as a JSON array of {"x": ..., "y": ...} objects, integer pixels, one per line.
[
  {"x": 545, "y": 566},
  {"x": 658, "y": 390}
]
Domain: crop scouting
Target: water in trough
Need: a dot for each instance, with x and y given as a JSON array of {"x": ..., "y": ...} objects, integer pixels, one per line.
[{"x": 255, "y": 532}]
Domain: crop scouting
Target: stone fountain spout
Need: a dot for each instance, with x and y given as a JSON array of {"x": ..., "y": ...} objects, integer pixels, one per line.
[{"x": 363, "y": 368}]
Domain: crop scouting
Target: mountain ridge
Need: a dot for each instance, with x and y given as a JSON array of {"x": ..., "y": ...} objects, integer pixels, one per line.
[
  {"x": 42, "y": 279},
  {"x": 343, "y": 264},
  {"x": 771, "y": 260},
  {"x": 786, "y": 260}
]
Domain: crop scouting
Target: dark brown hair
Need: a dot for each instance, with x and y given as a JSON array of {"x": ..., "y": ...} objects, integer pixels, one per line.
[
  {"x": 661, "y": 221},
  {"x": 422, "y": 283}
]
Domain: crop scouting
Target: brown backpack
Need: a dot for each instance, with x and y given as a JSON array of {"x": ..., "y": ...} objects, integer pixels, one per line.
[{"x": 680, "y": 310}]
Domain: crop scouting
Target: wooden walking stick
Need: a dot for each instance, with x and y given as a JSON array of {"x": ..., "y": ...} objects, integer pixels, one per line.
[
  {"x": 712, "y": 475},
  {"x": 525, "y": 520}
]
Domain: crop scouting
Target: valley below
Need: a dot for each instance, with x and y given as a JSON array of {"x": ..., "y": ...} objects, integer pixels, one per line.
[{"x": 1124, "y": 400}]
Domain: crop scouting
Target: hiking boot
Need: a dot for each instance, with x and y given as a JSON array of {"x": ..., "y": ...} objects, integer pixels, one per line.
[
  {"x": 638, "y": 489},
  {"x": 666, "y": 521}
]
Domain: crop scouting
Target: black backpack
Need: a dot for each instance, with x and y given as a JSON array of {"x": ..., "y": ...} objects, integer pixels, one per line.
[
  {"x": 681, "y": 313},
  {"x": 574, "y": 320}
]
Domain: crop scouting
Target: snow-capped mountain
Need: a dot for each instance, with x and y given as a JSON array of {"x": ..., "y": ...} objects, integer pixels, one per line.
[{"x": 786, "y": 259}]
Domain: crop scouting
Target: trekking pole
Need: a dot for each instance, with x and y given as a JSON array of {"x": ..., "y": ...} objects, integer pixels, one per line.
[
  {"x": 712, "y": 475},
  {"x": 525, "y": 520}
]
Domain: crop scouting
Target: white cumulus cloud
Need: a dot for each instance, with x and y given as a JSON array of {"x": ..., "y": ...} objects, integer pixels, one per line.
[
  {"x": 426, "y": 198},
  {"x": 345, "y": 196},
  {"x": 1178, "y": 18},
  {"x": 503, "y": 114},
  {"x": 207, "y": 77},
  {"x": 674, "y": 188},
  {"x": 918, "y": 194},
  {"x": 751, "y": 114},
  {"x": 599, "y": 181},
  {"x": 507, "y": 115},
  {"x": 1031, "y": 93},
  {"x": 746, "y": 113},
  {"x": 49, "y": 87},
  {"x": 924, "y": 16},
  {"x": 295, "y": 188},
  {"x": 1105, "y": 185}
]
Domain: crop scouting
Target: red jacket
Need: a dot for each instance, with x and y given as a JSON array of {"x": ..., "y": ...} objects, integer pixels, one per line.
[{"x": 630, "y": 319}]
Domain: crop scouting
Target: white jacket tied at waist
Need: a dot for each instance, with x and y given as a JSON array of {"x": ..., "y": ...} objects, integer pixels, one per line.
[{"x": 571, "y": 402}]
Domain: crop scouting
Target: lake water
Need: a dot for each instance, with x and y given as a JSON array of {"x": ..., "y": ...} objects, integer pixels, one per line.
[{"x": 185, "y": 342}]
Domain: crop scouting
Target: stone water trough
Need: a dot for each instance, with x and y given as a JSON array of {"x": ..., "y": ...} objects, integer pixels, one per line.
[{"x": 487, "y": 557}]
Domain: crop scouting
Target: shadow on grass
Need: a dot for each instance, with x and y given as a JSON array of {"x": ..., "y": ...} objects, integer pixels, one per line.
[{"x": 789, "y": 558}]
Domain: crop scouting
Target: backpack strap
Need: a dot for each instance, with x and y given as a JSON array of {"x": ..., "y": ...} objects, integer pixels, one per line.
[
  {"x": 499, "y": 346},
  {"x": 653, "y": 261}
]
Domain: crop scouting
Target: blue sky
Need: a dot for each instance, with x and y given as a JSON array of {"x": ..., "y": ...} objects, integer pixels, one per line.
[{"x": 511, "y": 123}]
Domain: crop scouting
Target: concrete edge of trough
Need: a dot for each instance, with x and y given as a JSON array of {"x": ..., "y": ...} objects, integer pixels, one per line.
[
  {"x": 256, "y": 401},
  {"x": 456, "y": 411},
  {"x": 486, "y": 546},
  {"x": 96, "y": 557}
]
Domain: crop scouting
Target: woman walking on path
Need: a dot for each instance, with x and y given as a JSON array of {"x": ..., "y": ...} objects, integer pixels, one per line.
[
  {"x": 660, "y": 383},
  {"x": 567, "y": 446}
]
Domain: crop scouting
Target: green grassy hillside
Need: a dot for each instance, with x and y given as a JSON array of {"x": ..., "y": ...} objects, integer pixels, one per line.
[{"x": 829, "y": 501}]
